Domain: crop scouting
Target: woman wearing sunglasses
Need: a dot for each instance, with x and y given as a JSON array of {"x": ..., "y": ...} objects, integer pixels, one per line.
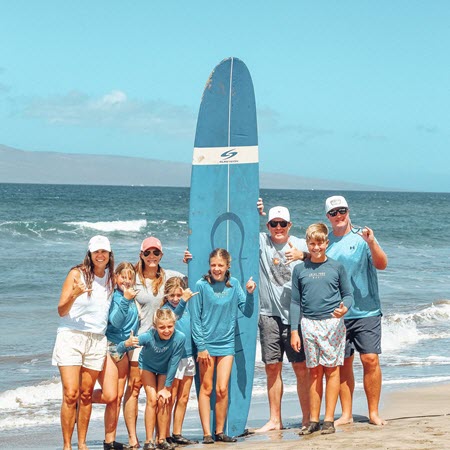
[{"x": 150, "y": 281}]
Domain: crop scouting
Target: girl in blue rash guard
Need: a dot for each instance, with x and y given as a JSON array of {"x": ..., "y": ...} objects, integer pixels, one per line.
[
  {"x": 162, "y": 349},
  {"x": 176, "y": 297},
  {"x": 213, "y": 321},
  {"x": 123, "y": 319}
]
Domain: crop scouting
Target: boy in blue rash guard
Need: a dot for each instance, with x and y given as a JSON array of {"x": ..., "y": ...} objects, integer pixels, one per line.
[
  {"x": 122, "y": 320},
  {"x": 213, "y": 319},
  {"x": 162, "y": 350},
  {"x": 321, "y": 295},
  {"x": 176, "y": 296}
]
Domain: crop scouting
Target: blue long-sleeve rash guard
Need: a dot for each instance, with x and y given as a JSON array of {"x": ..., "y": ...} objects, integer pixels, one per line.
[
  {"x": 182, "y": 324},
  {"x": 213, "y": 315},
  {"x": 159, "y": 356},
  {"x": 123, "y": 318}
]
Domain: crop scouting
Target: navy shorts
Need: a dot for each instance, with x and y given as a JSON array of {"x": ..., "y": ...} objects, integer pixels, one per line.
[
  {"x": 275, "y": 339},
  {"x": 363, "y": 335}
]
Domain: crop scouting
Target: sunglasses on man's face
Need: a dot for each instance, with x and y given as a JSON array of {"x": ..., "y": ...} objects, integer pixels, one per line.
[
  {"x": 154, "y": 252},
  {"x": 275, "y": 223},
  {"x": 333, "y": 212}
]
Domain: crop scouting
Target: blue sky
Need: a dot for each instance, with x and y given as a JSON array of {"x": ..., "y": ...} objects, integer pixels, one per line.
[{"x": 351, "y": 90}]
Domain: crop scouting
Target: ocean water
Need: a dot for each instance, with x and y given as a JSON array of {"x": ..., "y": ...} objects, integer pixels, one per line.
[{"x": 44, "y": 230}]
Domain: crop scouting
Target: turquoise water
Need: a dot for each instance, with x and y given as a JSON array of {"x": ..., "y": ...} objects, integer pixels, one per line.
[{"x": 44, "y": 231}]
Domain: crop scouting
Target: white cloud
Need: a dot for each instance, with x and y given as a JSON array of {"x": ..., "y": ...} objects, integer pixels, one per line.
[{"x": 113, "y": 109}]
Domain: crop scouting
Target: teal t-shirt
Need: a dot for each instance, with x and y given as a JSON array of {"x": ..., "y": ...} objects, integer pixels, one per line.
[{"x": 353, "y": 252}]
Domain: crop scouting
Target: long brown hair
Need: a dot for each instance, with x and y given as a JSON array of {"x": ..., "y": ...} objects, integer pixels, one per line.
[
  {"x": 157, "y": 282},
  {"x": 220, "y": 253},
  {"x": 87, "y": 269}
]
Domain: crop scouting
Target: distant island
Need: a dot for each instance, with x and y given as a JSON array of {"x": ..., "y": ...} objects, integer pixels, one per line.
[{"x": 21, "y": 166}]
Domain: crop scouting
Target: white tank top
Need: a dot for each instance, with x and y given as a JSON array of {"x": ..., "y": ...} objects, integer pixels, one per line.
[{"x": 90, "y": 311}]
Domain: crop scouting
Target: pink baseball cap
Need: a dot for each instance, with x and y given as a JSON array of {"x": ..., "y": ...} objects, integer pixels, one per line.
[{"x": 151, "y": 242}]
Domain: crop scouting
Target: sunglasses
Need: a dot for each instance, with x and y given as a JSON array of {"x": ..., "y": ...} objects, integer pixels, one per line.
[
  {"x": 333, "y": 212},
  {"x": 282, "y": 223},
  {"x": 154, "y": 252}
]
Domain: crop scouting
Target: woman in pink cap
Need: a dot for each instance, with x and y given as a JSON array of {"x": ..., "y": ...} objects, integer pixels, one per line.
[
  {"x": 150, "y": 281},
  {"x": 81, "y": 344}
]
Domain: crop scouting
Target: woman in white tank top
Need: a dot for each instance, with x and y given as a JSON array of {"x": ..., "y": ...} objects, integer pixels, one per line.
[{"x": 80, "y": 347}]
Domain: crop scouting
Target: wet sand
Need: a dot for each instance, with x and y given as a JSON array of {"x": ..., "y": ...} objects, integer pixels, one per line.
[{"x": 418, "y": 418}]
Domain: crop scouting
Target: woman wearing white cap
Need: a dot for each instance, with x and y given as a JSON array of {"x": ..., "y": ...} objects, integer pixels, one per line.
[
  {"x": 80, "y": 347},
  {"x": 150, "y": 281}
]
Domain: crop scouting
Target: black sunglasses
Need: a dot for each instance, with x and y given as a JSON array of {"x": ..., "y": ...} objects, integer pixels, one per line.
[
  {"x": 333, "y": 212},
  {"x": 149, "y": 252},
  {"x": 282, "y": 223}
]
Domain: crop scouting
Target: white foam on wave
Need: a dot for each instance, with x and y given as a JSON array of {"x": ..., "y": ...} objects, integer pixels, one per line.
[
  {"x": 30, "y": 396},
  {"x": 422, "y": 380},
  {"x": 405, "y": 329},
  {"x": 115, "y": 225}
]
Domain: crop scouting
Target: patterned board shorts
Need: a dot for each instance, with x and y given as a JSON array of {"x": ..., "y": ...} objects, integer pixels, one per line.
[
  {"x": 324, "y": 341},
  {"x": 115, "y": 355}
]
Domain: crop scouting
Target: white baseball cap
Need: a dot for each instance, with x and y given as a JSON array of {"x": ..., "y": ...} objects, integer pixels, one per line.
[
  {"x": 279, "y": 212},
  {"x": 337, "y": 201},
  {"x": 99, "y": 243}
]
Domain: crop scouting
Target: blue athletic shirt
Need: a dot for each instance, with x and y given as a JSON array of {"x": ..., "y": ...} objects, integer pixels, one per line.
[
  {"x": 354, "y": 253},
  {"x": 159, "y": 356},
  {"x": 318, "y": 289},
  {"x": 123, "y": 318},
  {"x": 182, "y": 324},
  {"x": 213, "y": 315}
]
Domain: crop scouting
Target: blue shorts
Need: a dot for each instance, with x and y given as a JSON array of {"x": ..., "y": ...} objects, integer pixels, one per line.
[{"x": 363, "y": 335}]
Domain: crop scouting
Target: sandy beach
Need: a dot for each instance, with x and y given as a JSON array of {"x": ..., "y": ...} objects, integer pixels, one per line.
[{"x": 418, "y": 418}]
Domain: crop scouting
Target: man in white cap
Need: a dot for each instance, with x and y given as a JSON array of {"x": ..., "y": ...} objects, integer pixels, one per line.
[
  {"x": 277, "y": 251},
  {"x": 359, "y": 252}
]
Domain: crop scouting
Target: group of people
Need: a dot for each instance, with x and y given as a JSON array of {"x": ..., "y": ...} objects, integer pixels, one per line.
[
  {"x": 128, "y": 326},
  {"x": 338, "y": 278}
]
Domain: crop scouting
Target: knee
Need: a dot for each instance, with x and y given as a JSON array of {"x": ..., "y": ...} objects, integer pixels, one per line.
[
  {"x": 206, "y": 389},
  {"x": 110, "y": 397},
  {"x": 71, "y": 396},
  {"x": 370, "y": 361},
  {"x": 182, "y": 400},
  {"x": 86, "y": 397},
  {"x": 221, "y": 392},
  {"x": 273, "y": 370}
]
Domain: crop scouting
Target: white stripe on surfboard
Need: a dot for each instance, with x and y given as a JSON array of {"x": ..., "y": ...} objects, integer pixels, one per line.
[
  {"x": 229, "y": 142},
  {"x": 212, "y": 156}
]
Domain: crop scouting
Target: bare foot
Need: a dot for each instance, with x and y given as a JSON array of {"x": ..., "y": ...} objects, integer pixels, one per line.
[
  {"x": 83, "y": 447},
  {"x": 343, "y": 420},
  {"x": 377, "y": 420},
  {"x": 271, "y": 425}
]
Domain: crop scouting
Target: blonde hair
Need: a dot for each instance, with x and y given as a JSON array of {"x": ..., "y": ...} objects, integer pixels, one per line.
[
  {"x": 219, "y": 253},
  {"x": 318, "y": 232},
  {"x": 163, "y": 314},
  {"x": 127, "y": 267},
  {"x": 172, "y": 284}
]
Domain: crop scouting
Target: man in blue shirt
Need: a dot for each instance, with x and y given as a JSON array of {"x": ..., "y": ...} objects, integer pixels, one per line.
[{"x": 359, "y": 252}]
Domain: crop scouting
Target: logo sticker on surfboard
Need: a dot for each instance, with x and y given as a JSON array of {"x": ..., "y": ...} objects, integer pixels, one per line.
[{"x": 225, "y": 155}]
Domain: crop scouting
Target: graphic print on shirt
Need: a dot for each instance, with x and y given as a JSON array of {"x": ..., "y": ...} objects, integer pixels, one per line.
[{"x": 280, "y": 273}]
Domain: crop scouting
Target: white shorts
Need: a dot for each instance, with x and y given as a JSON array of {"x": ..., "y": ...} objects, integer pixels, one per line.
[
  {"x": 186, "y": 368},
  {"x": 324, "y": 342},
  {"x": 133, "y": 355},
  {"x": 80, "y": 348}
]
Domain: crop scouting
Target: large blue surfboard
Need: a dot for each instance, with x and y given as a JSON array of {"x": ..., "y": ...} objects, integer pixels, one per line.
[{"x": 222, "y": 212}]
